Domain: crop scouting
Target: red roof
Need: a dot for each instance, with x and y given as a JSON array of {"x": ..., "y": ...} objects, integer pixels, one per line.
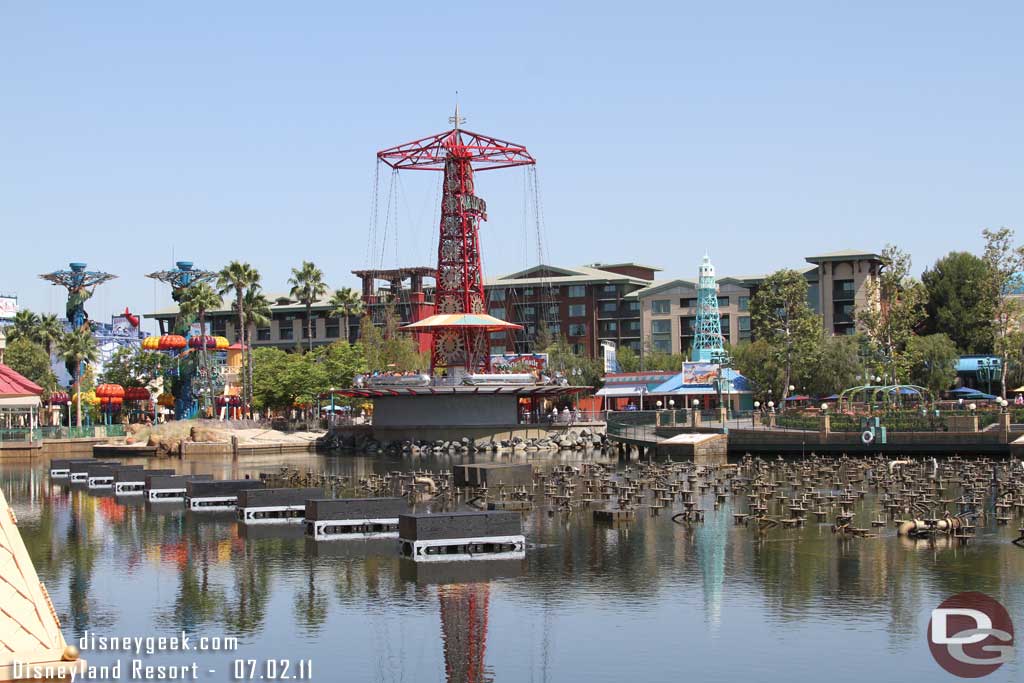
[{"x": 14, "y": 384}]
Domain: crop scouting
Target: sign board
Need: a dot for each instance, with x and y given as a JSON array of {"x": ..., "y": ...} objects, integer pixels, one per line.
[
  {"x": 611, "y": 361},
  {"x": 120, "y": 327},
  {"x": 195, "y": 330},
  {"x": 505, "y": 362},
  {"x": 8, "y": 306},
  {"x": 700, "y": 373}
]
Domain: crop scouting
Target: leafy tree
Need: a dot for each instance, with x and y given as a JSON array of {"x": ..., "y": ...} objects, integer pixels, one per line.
[
  {"x": 1005, "y": 279},
  {"x": 24, "y": 326},
  {"x": 280, "y": 379},
  {"x": 197, "y": 300},
  {"x": 933, "y": 361},
  {"x": 629, "y": 360},
  {"x": 579, "y": 370},
  {"x": 308, "y": 287},
  {"x": 759, "y": 362},
  {"x": 958, "y": 303},
  {"x": 895, "y": 309},
  {"x": 78, "y": 348},
  {"x": 782, "y": 319},
  {"x": 836, "y": 367},
  {"x": 340, "y": 363},
  {"x": 133, "y": 367},
  {"x": 31, "y": 360},
  {"x": 346, "y": 302},
  {"x": 389, "y": 348},
  {"x": 236, "y": 278},
  {"x": 542, "y": 338}
]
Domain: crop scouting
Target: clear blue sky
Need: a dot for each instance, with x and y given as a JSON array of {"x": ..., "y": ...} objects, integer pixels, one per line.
[{"x": 760, "y": 132}]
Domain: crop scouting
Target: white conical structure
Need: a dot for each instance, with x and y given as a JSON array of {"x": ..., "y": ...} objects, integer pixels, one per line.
[{"x": 29, "y": 629}]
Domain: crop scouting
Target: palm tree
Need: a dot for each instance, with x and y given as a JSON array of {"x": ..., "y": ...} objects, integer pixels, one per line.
[
  {"x": 196, "y": 301},
  {"x": 50, "y": 330},
  {"x": 25, "y": 326},
  {"x": 308, "y": 287},
  {"x": 78, "y": 348},
  {"x": 345, "y": 302},
  {"x": 235, "y": 278},
  {"x": 257, "y": 314}
]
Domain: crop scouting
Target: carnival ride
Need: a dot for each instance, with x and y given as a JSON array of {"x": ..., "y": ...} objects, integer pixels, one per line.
[
  {"x": 196, "y": 378},
  {"x": 81, "y": 285},
  {"x": 460, "y": 330}
]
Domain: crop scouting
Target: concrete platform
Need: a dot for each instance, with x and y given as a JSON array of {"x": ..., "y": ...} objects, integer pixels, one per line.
[
  {"x": 448, "y": 536},
  {"x": 343, "y": 518},
  {"x": 217, "y": 494},
  {"x": 274, "y": 506}
]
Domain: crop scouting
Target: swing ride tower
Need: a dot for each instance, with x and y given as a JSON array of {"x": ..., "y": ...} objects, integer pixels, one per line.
[{"x": 461, "y": 326}]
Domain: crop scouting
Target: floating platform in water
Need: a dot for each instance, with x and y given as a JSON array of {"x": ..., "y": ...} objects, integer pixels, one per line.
[
  {"x": 448, "y": 536},
  {"x": 171, "y": 488},
  {"x": 61, "y": 468},
  {"x": 132, "y": 482},
  {"x": 274, "y": 506},
  {"x": 330, "y": 519},
  {"x": 101, "y": 475},
  {"x": 214, "y": 495}
]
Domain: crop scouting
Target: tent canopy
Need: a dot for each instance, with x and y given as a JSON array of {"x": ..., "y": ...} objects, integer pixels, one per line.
[
  {"x": 467, "y": 320},
  {"x": 15, "y": 385}
]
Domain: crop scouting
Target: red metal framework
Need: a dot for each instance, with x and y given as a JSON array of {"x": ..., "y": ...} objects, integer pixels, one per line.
[{"x": 460, "y": 283}]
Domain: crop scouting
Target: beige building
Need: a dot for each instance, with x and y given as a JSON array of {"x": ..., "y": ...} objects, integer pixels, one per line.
[{"x": 837, "y": 287}]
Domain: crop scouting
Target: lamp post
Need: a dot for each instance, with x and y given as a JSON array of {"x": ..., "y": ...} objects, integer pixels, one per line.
[{"x": 753, "y": 415}]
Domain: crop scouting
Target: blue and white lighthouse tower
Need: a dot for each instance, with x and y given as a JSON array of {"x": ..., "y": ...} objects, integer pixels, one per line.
[{"x": 708, "y": 345}]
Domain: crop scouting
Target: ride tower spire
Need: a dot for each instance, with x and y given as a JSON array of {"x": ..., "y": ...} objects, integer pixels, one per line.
[{"x": 708, "y": 345}]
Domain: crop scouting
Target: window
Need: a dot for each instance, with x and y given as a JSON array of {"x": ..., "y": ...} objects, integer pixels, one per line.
[
  {"x": 528, "y": 291},
  {"x": 497, "y": 295},
  {"x": 219, "y": 327},
  {"x": 528, "y": 312},
  {"x": 555, "y": 328},
  {"x": 661, "y": 306},
  {"x": 844, "y": 314},
  {"x": 610, "y": 290},
  {"x": 553, "y": 312},
  {"x": 723, "y": 302},
  {"x": 579, "y": 349},
  {"x": 332, "y": 328},
  {"x": 577, "y": 291},
  {"x": 577, "y": 329},
  {"x": 285, "y": 331},
  {"x": 744, "y": 323},
  {"x": 498, "y": 312},
  {"x": 744, "y": 303},
  {"x": 631, "y": 326},
  {"x": 632, "y": 345},
  {"x": 633, "y": 306},
  {"x": 842, "y": 290},
  {"x": 609, "y": 327},
  {"x": 305, "y": 329},
  {"x": 609, "y": 306},
  {"x": 662, "y": 345},
  {"x": 688, "y": 325},
  {"x": 663, "y": 326},
  {"x": 577, "y": 310},
  {"x": 262, "y": 334},
  {"x": 688, "y": 303}
]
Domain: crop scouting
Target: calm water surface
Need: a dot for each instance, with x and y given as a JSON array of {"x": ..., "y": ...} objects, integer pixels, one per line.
[{"x": 651, "y": 601}]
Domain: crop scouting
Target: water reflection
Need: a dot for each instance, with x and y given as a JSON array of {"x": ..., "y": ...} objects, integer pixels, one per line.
[{"x": 590, "y": 602}]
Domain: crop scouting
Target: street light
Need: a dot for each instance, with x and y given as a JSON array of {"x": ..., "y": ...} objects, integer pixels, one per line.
[
  {"x": 672, "y": 404},
  {"x": 757, "y": 404},
  {"x": 771, "y": 406},
  {"x": 972, "y": 407},
  {"x": 658, "y": 403},
  {"x": 824, "y": 407}
]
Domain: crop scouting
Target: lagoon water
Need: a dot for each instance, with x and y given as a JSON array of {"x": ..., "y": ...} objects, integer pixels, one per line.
[{"x": 652, "y": 600}]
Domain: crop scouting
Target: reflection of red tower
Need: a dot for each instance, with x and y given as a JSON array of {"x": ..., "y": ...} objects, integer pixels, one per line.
[
  {"x": 464, "y": 631},
  {"x": 460, "y": 283}
]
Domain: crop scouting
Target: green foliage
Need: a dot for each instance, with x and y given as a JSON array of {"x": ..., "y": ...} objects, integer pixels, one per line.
[
  {"x": 281, "y": 379},
  {"x": 78, "y": 347},
  {"x": 340, "y": 363},
  {"x": 49, "y": 331},
  {"x": 1005, "y": 276},
  {"x": 579, "y": 370},
  {"x": 133, "y": 367},
  {"x": 835, "y": 367},
  {"x": 346, "y": 302},
  {"x": 24, "y": 326},
  {"x": 390, "y": 348},
  {"x": 760, "y": 363},
  {"x": 933, "y": 361},
  {"x": 197, "y": 300},
  {"x": 308, "y": 287},
  {"x": 959, "y": 303},
  {"x": 31, "y": 360},
  {"x": 629, "y": 360},
  {"x": 237, "y": 278},
  {"x": 790, "y": 330},
  {"x": 894, "y": 310}
]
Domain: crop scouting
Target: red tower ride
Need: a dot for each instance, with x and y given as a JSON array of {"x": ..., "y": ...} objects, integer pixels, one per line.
[{"x": 461, "y": 328}]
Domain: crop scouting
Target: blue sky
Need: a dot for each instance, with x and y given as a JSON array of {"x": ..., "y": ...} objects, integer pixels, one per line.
[{"x": 759, "y": 132}]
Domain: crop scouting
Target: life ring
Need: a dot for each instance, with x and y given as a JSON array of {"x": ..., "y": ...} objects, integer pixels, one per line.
[{"x": 867, "y": 437}]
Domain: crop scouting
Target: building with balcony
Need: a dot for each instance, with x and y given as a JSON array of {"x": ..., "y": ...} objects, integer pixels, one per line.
[
  {"x": 837, "y": 285},
  {"x": 584, "y": 304}
]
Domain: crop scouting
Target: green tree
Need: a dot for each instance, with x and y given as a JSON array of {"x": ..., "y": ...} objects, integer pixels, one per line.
[
  {"x": 958, "y": 303},
  {"x": 199, "y": 299},
  {"x": 49, "y": 332},
  {"x": 836, "y": 367},
  {"x": 578, "y": 369},
  {"x": 933, "y": 361},
  {"x": 1005, "y": 279},
  {"x": 340, "y": 363},
  {"x": 78, "y": 348},
  {"x": 759, "y": 362},
  {"x": 24, "y": 326},
  {"x": 346, "y": 302},
  {"x": 308, "y": 287},
  {"x": 542, "y": 338},
  {"x": 31, "y": 360},
  {"x": 894, "y": 311},
  {"x": 661, "y": 361},
  {"x": 236, "y": 278},
  {"x": 133, "y": 367},
  {"x": 782, "y": 319},
  {"x": 629, "y": 360}
]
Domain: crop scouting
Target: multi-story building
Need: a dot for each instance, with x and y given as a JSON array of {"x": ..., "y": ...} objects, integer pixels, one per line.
[
  {"x": 584, "y": 304},
  {"x": 838, "y": 284}
]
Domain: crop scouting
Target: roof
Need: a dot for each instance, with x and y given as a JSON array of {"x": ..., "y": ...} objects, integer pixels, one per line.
[
  {"x": 473, "y": 320},
  {"x": 845, "y": 255},
  {"x": 229, "y": 305},
  {"x": 562, "y": 276},
  {"x": 972, "y": 363},
  {"x": 507, "y": 389},
  {"x": 625, "y": 264},
  {"x": 13, "y": 384}
]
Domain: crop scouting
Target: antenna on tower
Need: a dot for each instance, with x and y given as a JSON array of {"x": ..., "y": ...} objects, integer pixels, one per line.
[{"x": 456, "y": 120}]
